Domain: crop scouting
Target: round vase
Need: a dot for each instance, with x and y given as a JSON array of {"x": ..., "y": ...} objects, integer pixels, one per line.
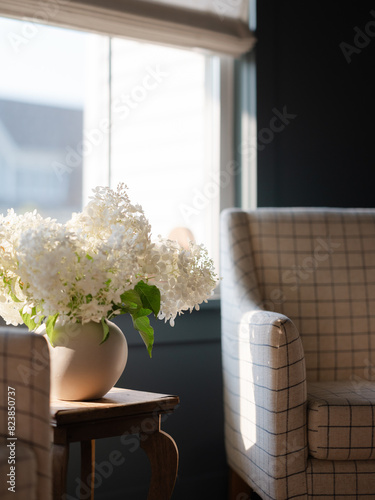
[{"x": 81, "y": 367}]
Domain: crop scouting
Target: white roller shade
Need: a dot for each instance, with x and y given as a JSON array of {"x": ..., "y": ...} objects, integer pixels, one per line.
[
  {"x": 235, "y": 9},
  {"x": 219, "y": 26}
]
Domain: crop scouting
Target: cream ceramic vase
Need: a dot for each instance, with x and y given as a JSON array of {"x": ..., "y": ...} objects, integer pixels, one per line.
[{"x": 81, "y": 367}]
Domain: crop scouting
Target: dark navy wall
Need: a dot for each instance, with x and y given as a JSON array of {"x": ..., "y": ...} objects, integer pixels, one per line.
[{"x": 325, "y": 155}]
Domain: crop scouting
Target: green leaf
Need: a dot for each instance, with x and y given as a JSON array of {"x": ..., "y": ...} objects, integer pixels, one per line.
[
  {"x": 50, "y": 327},
  {"x": 150, "y": 296},
  {"x": 30, "y": 323},
  {"x": 38, "y": 310},
  {"x": 10, "y": 284},
  {"x": 142, "y": 324},
  {"x": 89, "y": 257},
  {"x": 141, "y": 312},
  {"x": 13, "y": 296},
  {"x": 131, "y": 300},
  {"x": 105, "y": 330},
  {"x": 143, "y": 300},
  {"x": 27, "y": 318}
]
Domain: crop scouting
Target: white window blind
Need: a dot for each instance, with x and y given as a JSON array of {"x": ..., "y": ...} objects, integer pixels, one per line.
[{"x": 219, "y": 26}]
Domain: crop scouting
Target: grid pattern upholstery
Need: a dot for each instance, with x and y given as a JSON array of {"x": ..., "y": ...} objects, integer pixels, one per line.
[
  {"x": 24, "y": 366},
  {"x": 340, "y": 479},
  {"x": 317, "y": 267},
  {"x": 341, "y": 419},
  {"x": 264, "y": 398},
  {"x": 26, "y": 480}
]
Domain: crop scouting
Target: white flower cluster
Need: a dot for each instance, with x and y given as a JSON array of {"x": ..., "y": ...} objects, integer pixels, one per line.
[{"x": 80, "y": 269}]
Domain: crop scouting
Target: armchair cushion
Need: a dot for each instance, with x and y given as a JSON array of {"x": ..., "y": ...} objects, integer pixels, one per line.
[
  {"x": 340, "y": 479},
  {"x": 341, "y": 420}
]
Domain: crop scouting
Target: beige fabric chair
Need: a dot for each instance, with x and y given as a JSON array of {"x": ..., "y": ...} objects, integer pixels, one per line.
[
  {"x": 24, "y": 370},
  {"x": 298, "y": 347}
]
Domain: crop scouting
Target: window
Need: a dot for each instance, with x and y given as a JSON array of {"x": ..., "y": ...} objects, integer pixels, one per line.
[
  {"x": 41, "y": 116},
  {"x": 79, "y": 110}
]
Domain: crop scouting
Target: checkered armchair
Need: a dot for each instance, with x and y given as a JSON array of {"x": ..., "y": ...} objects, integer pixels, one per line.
[
  {"x": 24, "y": 370},
  {"x": 298, "y": 347}
]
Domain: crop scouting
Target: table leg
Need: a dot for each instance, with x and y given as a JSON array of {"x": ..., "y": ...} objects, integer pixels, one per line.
[
  {"x": 60, "y": 455},
  {"x": 163, "y": 455},
  {"x": 88, "y": 469}
]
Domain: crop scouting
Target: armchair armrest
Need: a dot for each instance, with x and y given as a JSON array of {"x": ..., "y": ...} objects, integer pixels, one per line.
[
  {"x": 24, "y": 394},
  {"x": 24, "y": 470},
  {"x": 265, "y": 403}
]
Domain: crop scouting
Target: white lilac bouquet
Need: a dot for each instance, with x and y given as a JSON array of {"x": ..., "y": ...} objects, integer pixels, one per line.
[{"x": 99, "y": 264}]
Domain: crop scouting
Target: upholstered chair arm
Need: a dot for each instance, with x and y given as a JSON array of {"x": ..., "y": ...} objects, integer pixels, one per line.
[
  {"x": 265, "y": 403},
  {"x": 19, "y": 477},
  {"x": 25, "y": 385}
]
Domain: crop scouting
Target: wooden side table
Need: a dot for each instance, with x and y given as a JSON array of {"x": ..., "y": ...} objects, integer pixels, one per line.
[{"x": 121, "y": 412}]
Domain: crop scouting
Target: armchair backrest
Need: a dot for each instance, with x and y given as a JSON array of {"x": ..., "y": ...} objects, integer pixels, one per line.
[{"x": 316, "y": 266}]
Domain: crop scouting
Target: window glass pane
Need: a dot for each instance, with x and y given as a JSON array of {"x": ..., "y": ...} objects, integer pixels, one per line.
[
  {"x": 97, "y": 127},
  {"x": 162, "y": 111},
  {"x": 41, "y": 117}
]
